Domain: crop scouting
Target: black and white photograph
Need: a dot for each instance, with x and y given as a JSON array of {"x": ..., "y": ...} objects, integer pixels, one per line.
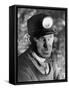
[{"x": 41, "y": 44}]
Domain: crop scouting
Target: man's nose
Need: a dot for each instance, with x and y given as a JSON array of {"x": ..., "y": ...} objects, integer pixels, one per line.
[{"x": 45, "y": 44}]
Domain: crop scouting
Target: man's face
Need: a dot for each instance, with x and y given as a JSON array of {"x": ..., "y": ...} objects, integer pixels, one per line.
[{"x": 44, "y": 45}]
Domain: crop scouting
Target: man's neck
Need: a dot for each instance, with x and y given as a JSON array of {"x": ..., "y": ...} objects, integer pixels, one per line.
[{"x": 40, "y": 59}]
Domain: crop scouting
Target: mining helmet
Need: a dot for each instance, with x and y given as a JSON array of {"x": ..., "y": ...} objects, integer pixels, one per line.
[{"x": 40, "y": 25}]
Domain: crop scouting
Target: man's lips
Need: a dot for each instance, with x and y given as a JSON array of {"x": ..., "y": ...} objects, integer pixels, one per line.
[{"x": 45, "y": 52}]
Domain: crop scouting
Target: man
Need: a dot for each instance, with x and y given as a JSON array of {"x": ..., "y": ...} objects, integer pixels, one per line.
[{"x": 36, "y": 63}]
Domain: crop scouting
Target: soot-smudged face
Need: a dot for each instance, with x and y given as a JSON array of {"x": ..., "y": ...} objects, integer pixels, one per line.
[{"x": 44, "y": 45}]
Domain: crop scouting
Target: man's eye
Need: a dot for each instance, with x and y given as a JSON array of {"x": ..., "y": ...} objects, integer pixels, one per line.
[
  {"x": 48, "y": 39},
  {"x": 42, "y": 39}
]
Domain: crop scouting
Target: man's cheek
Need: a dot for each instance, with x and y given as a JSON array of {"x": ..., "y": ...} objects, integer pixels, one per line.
[{"x": 49, "y": 47}]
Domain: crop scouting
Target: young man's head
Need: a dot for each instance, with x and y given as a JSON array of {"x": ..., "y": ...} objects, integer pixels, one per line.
[{"x": 41, "y": 33}]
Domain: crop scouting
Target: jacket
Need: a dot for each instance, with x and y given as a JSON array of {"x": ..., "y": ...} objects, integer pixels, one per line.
[{"x": 30, "y": 70}]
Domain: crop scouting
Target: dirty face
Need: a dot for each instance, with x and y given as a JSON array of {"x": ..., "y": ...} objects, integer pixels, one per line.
[{"x": 44, "y": 45}]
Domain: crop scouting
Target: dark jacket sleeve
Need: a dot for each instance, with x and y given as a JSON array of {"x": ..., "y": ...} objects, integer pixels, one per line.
[
  {"x": 23, "y": 76},
  {"x": 25, "y": 71}
]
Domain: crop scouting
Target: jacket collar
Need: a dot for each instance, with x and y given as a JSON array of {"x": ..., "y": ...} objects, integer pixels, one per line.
[
  {"x": 43, "y": 66},
  {"x": 41, "y": 60}
]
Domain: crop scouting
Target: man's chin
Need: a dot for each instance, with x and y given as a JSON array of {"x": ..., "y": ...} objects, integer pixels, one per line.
[{"x": 46, "y": 55}]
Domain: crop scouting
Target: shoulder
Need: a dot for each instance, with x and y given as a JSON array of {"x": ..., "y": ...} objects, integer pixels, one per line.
[
  {"x": 23, "y": 58},
  {"x": 25, "y": 71},
  {"x": 24, "y": 55}
]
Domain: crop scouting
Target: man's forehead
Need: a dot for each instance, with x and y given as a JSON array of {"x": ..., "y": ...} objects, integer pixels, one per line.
[{"x": 49, "y": 35}]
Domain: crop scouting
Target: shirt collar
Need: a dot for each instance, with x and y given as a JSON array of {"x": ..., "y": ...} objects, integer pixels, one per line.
[{"x": 41, "y": 60}]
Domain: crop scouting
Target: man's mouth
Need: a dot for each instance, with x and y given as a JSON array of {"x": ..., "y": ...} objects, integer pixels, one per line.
[{"x": 45, "y": 52}]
